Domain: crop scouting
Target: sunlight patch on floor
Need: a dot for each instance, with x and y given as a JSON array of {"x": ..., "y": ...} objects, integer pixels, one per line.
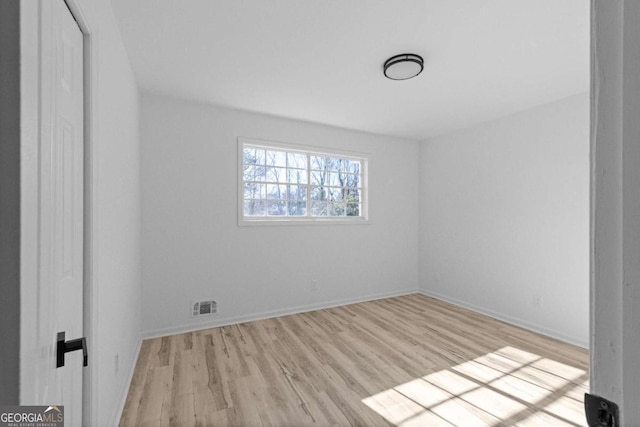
[{"x": 506, "y": 387}]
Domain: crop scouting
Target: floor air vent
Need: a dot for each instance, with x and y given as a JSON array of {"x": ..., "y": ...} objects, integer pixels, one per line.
[{"x": 202, "y": 308}]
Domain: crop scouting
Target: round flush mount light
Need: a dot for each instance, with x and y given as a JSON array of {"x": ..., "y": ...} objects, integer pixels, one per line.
[{"x": 403, "y": 67}]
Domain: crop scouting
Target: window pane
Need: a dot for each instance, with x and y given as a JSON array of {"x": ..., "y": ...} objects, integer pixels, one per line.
[
  {"x": 337, "y": 179},
  {"x": 335, "y": 194},
  {"x": 353, "y": 209},
  {"x": 352, "y": 180},
  {"x": 254, "y": 208},
  {"x": 248, "y": 172},
  {"x": 352, "y": 195},
  {"x": 297, "y": 208},
  {"x": 275, "y": 191},
  {"x": 297, "y": 160},
  {"x": 318, "y": 163},
  {"x": 248, "y": 156},
  {"x": 261, "y": 156},
  {"x": 276, "y": 158},
  {"x": 337, "y": 209},
  {"x": 334, "y": 164},
  {"x": 352, "y": 166},
  {"x": 319, "y": 193},
  {"x": 276, "y": 207},
  {"x": 318, "y": 208},
  {"x": 318, "y": 178},
  {"x": 260, "y": 173},
  {"x": 253, "y": 173},
  {"x": 253, "y": 156},
  {"x": 254, "y": 191},
  {"x": 297, "y": 193},
  {"x": 277, "y": 175},
  {"x": 297, "y": 176}
]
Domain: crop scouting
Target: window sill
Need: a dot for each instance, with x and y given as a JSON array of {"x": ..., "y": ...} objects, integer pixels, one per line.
[{"x": 313, "y": 222}]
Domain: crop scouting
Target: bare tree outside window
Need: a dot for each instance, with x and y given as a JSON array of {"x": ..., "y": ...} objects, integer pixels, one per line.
[{"x": 284, "y": 183}]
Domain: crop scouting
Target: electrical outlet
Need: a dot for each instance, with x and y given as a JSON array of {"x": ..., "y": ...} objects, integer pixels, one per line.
[
  {"x": 116, "y": 364},
  {"x": 538, "y": 301},
  {"x": 314, "y": 284}
]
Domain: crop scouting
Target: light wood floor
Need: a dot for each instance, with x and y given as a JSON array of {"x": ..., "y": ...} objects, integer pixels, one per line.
[{"x": 410, "y": 360}]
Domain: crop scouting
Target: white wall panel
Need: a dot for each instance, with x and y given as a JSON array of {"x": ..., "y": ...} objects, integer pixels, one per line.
[
  {"x": 193, "y": 247},
  {"x": 504, "y": 218}
]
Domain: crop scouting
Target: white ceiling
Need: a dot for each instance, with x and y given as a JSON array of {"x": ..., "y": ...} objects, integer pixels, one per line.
[{"x": 321, "y": 60}]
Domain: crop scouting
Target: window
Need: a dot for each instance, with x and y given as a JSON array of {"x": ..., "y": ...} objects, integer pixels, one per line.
[{"x": 294, "y": 183}]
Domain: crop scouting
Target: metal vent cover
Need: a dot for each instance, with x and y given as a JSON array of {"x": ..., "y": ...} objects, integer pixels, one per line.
[{"x": 202, "y": 308}]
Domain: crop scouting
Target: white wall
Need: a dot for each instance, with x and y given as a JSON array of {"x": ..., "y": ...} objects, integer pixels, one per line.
[
  {"x": 193, "y": 248},
  {"x": 114, "y": 305},
  {"x": 117, "y": 215},
  {"x": 504, "y": 217}
]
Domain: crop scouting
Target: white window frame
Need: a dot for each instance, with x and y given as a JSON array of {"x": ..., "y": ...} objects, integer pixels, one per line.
[{"x": 306, "y": 220}]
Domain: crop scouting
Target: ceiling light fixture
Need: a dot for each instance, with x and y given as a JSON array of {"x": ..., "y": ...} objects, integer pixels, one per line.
[{"x": 403, "y": 67}]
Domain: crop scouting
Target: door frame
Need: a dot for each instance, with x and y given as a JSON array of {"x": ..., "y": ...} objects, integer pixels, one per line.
[
  {"x": 90, "y": 289},
  {"x": 615, "y": 205},
  {"x": 30, "y": 139}
]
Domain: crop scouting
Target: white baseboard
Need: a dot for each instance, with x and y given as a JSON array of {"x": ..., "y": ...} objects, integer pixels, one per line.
[
  {"x": 127, "y": 384},
  {"x": 217, "y": 322},
  {"x": 512, "y": 320}
]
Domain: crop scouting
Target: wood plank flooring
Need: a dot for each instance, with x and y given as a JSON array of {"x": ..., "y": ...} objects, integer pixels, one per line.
[{"x": 410, "y": 360}]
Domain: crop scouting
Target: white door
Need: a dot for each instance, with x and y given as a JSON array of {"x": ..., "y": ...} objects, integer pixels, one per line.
[{"x": 61, "y": 207}]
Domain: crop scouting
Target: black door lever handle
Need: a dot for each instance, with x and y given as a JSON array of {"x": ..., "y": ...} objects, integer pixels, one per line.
[{"x": 71, "y": 345}]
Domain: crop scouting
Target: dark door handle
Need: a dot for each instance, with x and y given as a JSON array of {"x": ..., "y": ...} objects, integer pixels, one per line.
[{"x": 71, "y": 345}]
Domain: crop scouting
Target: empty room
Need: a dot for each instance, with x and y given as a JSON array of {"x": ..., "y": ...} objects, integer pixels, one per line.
[{"x": 304, "y": 213}]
